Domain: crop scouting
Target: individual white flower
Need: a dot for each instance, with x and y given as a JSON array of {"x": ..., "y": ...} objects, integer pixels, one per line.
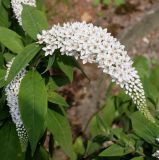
[
  {"x": 156, "y": 154},
  {"x": 17, "y": 6},
  {"x": 11, "y": 91},
  {"x": 95, "y": 45}
]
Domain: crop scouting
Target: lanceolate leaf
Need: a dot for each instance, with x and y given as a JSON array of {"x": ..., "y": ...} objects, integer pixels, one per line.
[
  {"x": 92, "y": 148},
  {"x": 138, "y": 158},
  {"x": 22, "y": 59},
  {"x": 67, "y": 63},
  {"x": 9, "y": 142},
  {"x": 66, "y": 66},
  {"x": 42, "y": 154},
  {"x": 142, "y": 66},
  {"x": 54, "y": 97},
  {"x": 4, "y": 19},
  {"x": 33, "y": 21},
  {"x": 144, "y": 128},
  {"x": 2, "y": 77},
  {"x": 58, "y": 124},
  {"x": 33, "y": 106},
  {"x": 11, "y": 40},
  {"x": 50, "y": 63},
  {"x": 115, "y": 150},
  {"x": 6, "y": 3}
]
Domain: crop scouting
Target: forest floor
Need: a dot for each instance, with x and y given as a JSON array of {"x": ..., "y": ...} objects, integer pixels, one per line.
[{"x": 134, "y": 23}]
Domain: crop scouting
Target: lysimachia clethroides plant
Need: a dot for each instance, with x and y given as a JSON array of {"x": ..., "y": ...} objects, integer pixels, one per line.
[{"x": 32, "y": 48}]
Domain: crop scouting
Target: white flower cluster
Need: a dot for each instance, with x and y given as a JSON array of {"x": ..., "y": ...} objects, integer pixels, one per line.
[
  {"x": 95, "y": 45},
  {"x": 156, "y": 154},
  {"x": 11, "y": 91},
  {"x": 17, "y": 6}
]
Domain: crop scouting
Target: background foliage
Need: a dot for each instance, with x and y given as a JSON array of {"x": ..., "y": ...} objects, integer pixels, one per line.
[{"x": 108, "y": 2}]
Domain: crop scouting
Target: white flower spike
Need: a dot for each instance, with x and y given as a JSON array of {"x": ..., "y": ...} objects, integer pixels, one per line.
[
  {"x": 95, "y": 45},
  {"x": 17, "y": 6},
  {"x": 11, "y": 91}
]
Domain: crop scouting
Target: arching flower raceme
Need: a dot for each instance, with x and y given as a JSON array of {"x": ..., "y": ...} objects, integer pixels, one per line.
[
  {"x": 11, "y": 91},
  {"x": 17, "y": 6},
  {"x": 95, "y": 45}
]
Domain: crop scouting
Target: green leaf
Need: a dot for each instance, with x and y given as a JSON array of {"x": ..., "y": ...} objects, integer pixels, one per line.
[
  {"x": 1, "y": 61},
  {"x": 33, "y": 106},
  {"x": 96, "y": 2},
  {"x": 101, "y": 122},
  {"x": 58, "y": 125},
  {"x": 98, "y": 126},
  {"x": 8, "y": 56},
  {"x": 6, "y": 3},
  {"x": 54, "y": 97},
  {"x": 79, "y": 146},
  {"x": 144, "y": 128},
  {"x": 9, "y": 142},
  {"x": 33, "y": 21},
  {"x": 150, "y": 90},
  {"x": 117, "y": 132},
  {"x": 4, "y": 19},
  {"x": 65, "y": 64},
  {"x": 115, "y": 150},
  {"x": 40, "y": 5},
  {"x": 2, "y": 77},
  {"x": 50, "y": 63},
  {"x": 22, "y": 59},
  {"x": 51, "y": 85},
  {"x": 76, "y": 64},
  {"x": 142, "y": 65},
  {"x": 124, "y": 139},
  {"x": 137, "y": 158},
  {"x": 11, "y": 40},
  {"x": 154, "y": 76},
  {"x": 57, "y": 81},
  {"x": 95, "y": 129},
  {"x": 92, "y": 147},
  {"x": 106, "y": 2},
  {"x": 119, "y": 2},
  {"x": 95, "y": 145},
  {"x": 108, "y": 113},
  {"x": 42, "y": 154}
]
